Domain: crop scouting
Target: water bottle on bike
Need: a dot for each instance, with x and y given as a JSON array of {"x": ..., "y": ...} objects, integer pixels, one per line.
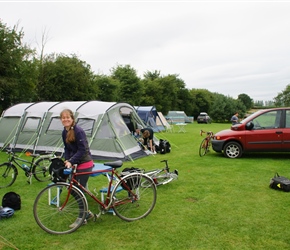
[{"x": 25, "y": 167}]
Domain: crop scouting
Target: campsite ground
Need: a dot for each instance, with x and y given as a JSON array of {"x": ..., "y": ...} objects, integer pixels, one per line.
[{"x": 217, "y": 203}]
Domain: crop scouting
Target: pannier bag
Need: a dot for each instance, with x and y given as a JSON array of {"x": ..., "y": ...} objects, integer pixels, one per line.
[
  {"x": 134, "y": 182},
  {"x": 164, "y": 147},
  {"x": 57, "y": 165},
  {"x": 280, "y": 183},
  {"x": 12, "y": 200}
]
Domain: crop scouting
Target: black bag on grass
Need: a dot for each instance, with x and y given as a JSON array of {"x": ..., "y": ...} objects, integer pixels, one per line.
[
  {"x": 134, "y": 182},
  {"x": 164, "y": 147},
  {"x": 280, "y": 183},
  {"x": 12, "y": 200}
]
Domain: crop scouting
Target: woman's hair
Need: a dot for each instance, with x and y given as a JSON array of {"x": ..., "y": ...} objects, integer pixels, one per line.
[
  {"x": 146, "y": 134},
  {"x": 70, "y": 137}
]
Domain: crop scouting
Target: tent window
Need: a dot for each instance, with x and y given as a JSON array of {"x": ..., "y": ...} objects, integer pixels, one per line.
[
  {"x": 55, "y": 124},
  {"x": 31, "y": 124},
  {"x": 119, "y": 125},
  {"x": 105, "y": 130},
  {"x": 87, "y": 125}
]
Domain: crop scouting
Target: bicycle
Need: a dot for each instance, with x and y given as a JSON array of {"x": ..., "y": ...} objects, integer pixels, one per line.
[
  {"x": 205, "y": 143},
  {"x": 58, "y": 205},
  {"x": 162, "y": 176},
  {"x": 37, "y": 167}
]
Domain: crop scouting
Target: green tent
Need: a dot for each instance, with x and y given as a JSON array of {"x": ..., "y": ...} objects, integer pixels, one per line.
[{"x": 109, "y": 135}]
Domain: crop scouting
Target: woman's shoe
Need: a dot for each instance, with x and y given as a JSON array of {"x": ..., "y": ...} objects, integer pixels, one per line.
[{"x": 77, "y": 222}]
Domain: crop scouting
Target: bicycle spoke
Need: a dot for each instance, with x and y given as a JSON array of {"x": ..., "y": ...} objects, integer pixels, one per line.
[
  {"x": 137, "y": 203},
  {"x": 203, "y": 147},
  {"x": 55, "y": 216},
  {"x": 41, "y": 169}
]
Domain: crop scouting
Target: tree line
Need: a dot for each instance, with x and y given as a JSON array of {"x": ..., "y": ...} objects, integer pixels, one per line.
[{"x": 26, "y": 76}]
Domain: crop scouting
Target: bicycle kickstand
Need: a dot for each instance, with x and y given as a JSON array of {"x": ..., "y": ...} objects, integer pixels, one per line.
[{"x": 29, "y": 179}]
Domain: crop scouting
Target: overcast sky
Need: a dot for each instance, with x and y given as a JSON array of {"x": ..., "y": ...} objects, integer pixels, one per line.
[{"x": 228, "y": 47}]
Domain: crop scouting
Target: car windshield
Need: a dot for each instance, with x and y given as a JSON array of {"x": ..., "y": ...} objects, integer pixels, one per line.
[{"x": 249, "y": 118}]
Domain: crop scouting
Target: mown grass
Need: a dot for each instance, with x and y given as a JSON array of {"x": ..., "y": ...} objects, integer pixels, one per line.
[{"x": 216, "y": 203}]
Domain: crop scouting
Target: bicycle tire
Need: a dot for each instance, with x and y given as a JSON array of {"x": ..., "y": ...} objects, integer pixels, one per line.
[
  {"x": 137, "y": 203},
  {"x": 203, "y": 147},
  {"x": 48, "y": 213},
  {"x": 8, "y": 174},
  {"x": 40, "y": 169},
  {"x": 164, "y": 178}
]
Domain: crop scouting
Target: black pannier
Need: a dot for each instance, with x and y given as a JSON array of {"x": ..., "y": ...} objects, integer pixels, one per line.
[
  {"x": 164, "y": 147},
  {"x": 133, "y": 182}
]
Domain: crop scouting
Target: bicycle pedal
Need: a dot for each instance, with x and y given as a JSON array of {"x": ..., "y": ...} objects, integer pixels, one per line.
[{"x": 176, "y": 171}]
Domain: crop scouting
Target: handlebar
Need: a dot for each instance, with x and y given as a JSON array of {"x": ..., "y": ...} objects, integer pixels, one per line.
[
  {"x": 27, "y": 153},
  {"x": 59, "y": 174},
  {"x": 166, "y": 164},
  {"x": 208, "y": 133}
]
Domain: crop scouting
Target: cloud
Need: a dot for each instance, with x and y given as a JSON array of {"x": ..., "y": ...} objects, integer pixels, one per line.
[{"x": 226, "y": 47}]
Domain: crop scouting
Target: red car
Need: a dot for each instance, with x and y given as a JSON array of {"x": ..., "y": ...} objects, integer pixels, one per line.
[{"x": 264, "y": 131}]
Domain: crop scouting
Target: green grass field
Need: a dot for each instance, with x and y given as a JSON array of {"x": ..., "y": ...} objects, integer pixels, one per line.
[{"x": 216, "y": 203}]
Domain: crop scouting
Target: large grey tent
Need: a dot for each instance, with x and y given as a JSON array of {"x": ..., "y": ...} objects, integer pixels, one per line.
[{"x": 109, "y": 134}]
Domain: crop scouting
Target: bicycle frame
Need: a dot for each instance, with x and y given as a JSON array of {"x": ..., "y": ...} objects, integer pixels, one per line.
[
  {"x": 13, "y": 158},
  {"x": 16, "y": 159},
  {"x": 106, "y": 205}
]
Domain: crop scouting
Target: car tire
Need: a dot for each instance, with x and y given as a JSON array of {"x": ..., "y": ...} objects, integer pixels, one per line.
[{"x": 232, "y": 150}]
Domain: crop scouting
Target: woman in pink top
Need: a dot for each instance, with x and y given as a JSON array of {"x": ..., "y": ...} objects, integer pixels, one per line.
[{"x": 76, "y": 151}]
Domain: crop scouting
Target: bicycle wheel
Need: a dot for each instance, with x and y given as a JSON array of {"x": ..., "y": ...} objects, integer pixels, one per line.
[
  {"x": 137, "y": 203},
  {"x": 40, "y": 169},
  {"x": 55, "y": 211},
  {"x": 209, "y": 145},
  {"x": 164, "y": 178},
  {"x": 203, "y": 147},
  {"x": 8, "y": 174}
]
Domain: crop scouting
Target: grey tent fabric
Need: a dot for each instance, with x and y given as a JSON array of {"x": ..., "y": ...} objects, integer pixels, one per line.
[{"x": 10, "y": 122}]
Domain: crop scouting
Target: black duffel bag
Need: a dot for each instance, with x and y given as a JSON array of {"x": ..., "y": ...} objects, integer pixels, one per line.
[{"x": 280, "y": 183}]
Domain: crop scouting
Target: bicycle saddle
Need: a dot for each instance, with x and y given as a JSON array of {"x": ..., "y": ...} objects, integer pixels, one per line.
[{"x": 114, "y": 164}]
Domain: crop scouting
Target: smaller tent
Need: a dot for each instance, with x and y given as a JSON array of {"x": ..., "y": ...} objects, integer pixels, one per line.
[
  {"x": 178, "y": 117},
  {"x": 164, "y": 121},
  {"x": 150, "y": 117}
]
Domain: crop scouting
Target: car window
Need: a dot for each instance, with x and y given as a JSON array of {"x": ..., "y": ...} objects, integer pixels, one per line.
[
  {"x": 287, "y": 125},
  {"x": 268, "y": 120}
]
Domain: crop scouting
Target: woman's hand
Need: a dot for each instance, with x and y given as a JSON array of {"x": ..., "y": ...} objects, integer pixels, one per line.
[{"x": 67, "y": 164}]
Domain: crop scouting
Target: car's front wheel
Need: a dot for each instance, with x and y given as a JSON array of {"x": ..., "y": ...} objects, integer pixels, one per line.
[{"x": 233, "y": 150}]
